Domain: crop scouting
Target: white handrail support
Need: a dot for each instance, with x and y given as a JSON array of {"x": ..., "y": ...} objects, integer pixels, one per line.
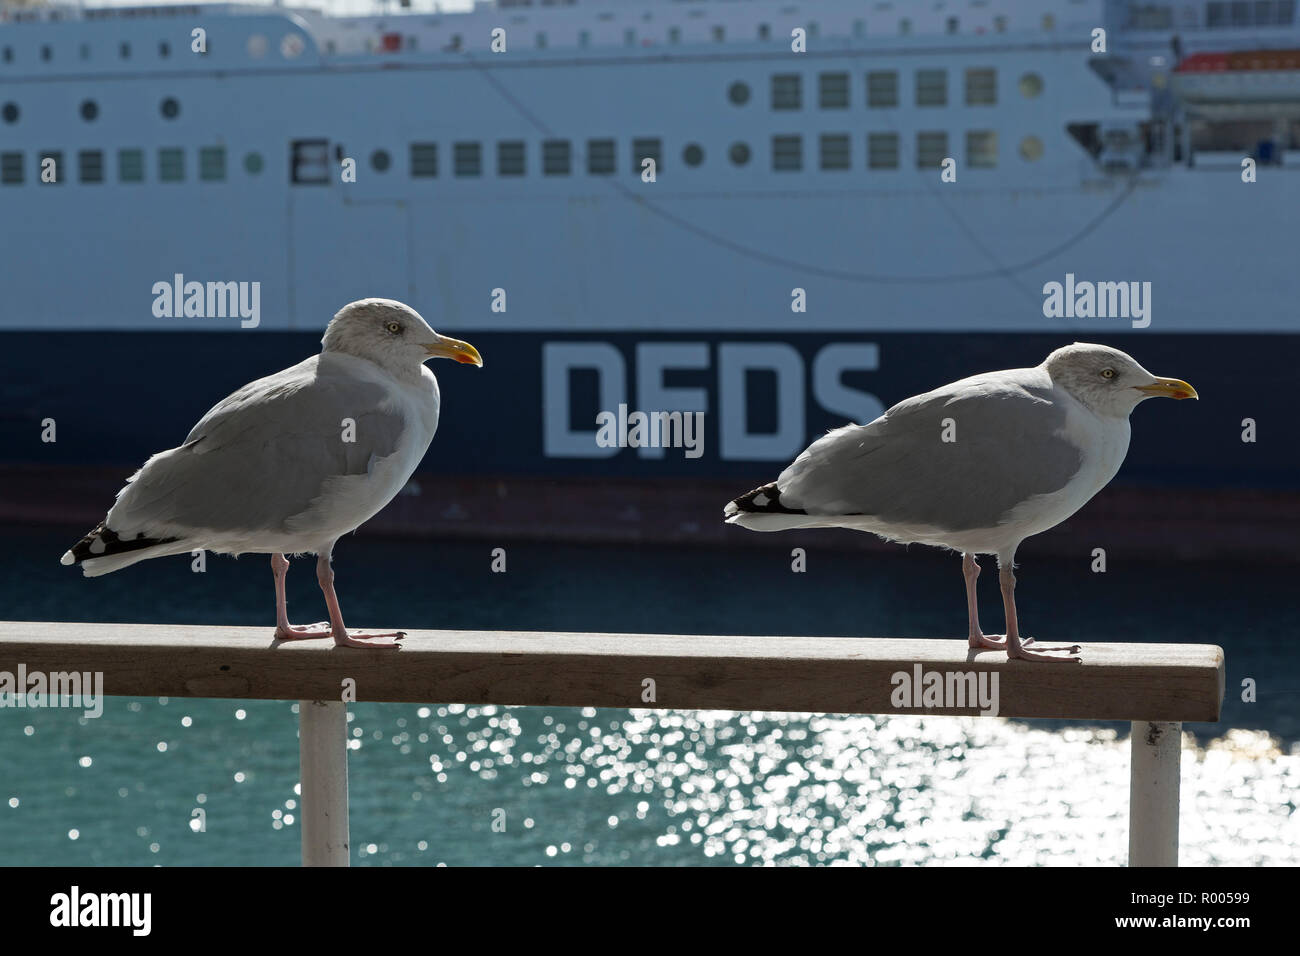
[
  {"x": 323, "y": 749},
  {"x": 1157, "y": 748}
]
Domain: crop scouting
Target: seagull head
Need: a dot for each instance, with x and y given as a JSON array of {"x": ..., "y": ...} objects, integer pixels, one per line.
[
  {"x": 392, "y": 335},
  {"x": 1109, "y": 381}
]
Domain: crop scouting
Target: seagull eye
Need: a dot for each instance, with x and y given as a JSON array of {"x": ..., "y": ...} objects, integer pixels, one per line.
[
  {"x": 1108, "y": 373},
  {"x": 393, "y": 327}
]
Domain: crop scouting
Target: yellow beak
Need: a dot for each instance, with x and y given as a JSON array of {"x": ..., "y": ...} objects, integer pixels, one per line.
[
  {"x": 447, "y": 347},
  {"x": 1169, "y": 388}
]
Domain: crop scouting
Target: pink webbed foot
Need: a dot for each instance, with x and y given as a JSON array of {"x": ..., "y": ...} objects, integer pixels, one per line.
[
  {"x": 992, "y": 642},
  {"x": 311, "y": 632},
  {"x": 369, "y": 641},
  {"x": 1019, "y": 651}
]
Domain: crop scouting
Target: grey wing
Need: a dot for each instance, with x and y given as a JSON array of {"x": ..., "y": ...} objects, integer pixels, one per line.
[
  {"x": 262, "y": 455},
  {"x": 1007, "y": 447}
]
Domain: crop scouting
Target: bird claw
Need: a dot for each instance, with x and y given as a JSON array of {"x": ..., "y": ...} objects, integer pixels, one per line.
[
  {"x": 308, "y": 633},
  {"x": 370, "y": 641},
  {"x": 993, "y": 642},
  {"x": 1020, "y": 653}
]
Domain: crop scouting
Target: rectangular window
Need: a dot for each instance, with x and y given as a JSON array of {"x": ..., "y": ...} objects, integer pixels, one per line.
[
  {"x": 11, "y": 168},
  {"x": 981, "y": 149},
  {"x": 835, "y": 150},
  {"x": 833, "y": 91},
  {"x": 212, "y": 164},
  {"x": 600, "y": 157},
  {"x": 787, "y": 91},
  {"x": 55, "y": 155},
  {"x": 981, "y": 87},
  {"x": 931, "y": 87},
  {"x": 130, "y": 165},
  {"x": 882, "y": 150},
  {"x": 467, "y": 159},
  {"x": 510, "y": 158},
  {"x": 424, "y": 160},
  {"x": 646, "y": 148},
  {"x": 557, "y": 159},
  {"x": 310, "y": 162},
  {"x": 90, "y": 166},
  {"x": 171, "y": 164},
  {"x": 931, "y": 150},
  {"x": 787, "y": 153},
  {"x": 882, "y": 89}
]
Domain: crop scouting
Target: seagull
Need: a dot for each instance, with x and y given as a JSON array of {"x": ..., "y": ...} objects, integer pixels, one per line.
[
  {"x": 290, "y": 463},
  {"x": 976, "y": 466}
]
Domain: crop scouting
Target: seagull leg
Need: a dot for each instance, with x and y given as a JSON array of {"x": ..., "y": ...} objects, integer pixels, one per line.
[
  {"x": 1016, "y": 649},
  {"x": 325, "y": 575},
  {"x": 970, "y": 569},
  {"x": 284, "y": 631}
]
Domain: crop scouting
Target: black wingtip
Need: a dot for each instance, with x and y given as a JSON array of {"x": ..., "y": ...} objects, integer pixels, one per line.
[
  {"x": 103, "y": 542},
  {"x": 765, "y": 499}
]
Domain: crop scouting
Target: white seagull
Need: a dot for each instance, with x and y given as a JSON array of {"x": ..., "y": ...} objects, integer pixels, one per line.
[
  {"x": 976, "y": 466},
  {"x": 290, "y": 463}
]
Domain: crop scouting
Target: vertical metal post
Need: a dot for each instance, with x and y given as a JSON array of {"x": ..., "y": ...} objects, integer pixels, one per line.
[
  {"x": 323, "y": 751},
  {"x": 1153, "y": 793}
]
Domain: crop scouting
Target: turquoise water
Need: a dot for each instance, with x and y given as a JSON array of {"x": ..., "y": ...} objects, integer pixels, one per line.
[{"x": 647, "y": 787}]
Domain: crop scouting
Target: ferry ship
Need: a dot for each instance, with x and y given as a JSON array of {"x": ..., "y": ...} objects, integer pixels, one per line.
[{"x": 785, "y": 214}]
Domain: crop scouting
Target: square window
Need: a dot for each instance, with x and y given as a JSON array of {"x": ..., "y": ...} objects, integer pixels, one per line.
[
  {"x": 833, "y": 91},
  {"x": 130, "y": 165},
  {"x": 424, "y": 160},
  {"x": 510, "y": 158},
  {"x": 646, "y": 148},
  {"x": 556, "y": 157},
  {"x": 882, "y": 89},
  {"x": 212, "y": 164},
  {"x": 11, "y": 168},
  {"x": 787, "y": 91},
  {"x": 981, "y": 149},
  {"x": 981, "y": 87},
  {"x": 931, "y": 87},
  {"x": 467, "y": 158},
  {"x": 835, "y": 150},
  {"x": 171, "y": 165},
  {"x": 787, "y": 153},
  {"x": 90, "y": 166},
  {"x": 882, "y": 150},
  {"x": 600, "y": 157},
  {"x": 931, "y": 150}
]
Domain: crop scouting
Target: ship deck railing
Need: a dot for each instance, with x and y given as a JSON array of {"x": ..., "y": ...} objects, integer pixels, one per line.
[{"x": 1156, "y": 687}]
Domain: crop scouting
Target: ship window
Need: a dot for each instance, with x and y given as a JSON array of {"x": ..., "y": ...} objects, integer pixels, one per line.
[
  {"x": 8, "y": 54},
  {"x": 130, "y": 165},
  {"x": 256, "y": 46},
  {"x": 584, "y": 38},
  {"x": 556, "y": 157},
  {"x": 835, "y": 150},
  {"x": 981, "y": 149},
  {"x": 1000, "y": 24},
  {"x": 1049, "y": 22},
  {"x": 541, "y": 41},
  {"x": 171, "y": 165},
  {"x": 380, "y": 161},
  {"x": 1031, "y": 84},
  {"x": 309, "y": 163},
  {"x": 424, "y": 160},
  {"x": 787, "y": 153},
  {"x": 719, "y": 34},
  {"x": 56, "y": 158},
  {"x": 693, "y": 155},
  {"x": 467, "y": 159},
  {"x": 738, "y": 93},
  {"x": 212, "y": 164},
  {"x": 46, "y": 53},
  {"x": 859, "y": 28},
  {"x": 904, "y": 26},
  {"x": 90, "y": 163},
  {"x": 646, "y": 148},
  {"x": 833, "y": 91},
  {"x": 510, "y": 158},
  {"x": 981, "y": 87},
  {"x": 1285, "y": 12},
  {"x": 169, "y": 108},
  {"x": 253, "y": 163},
  {"x": 164, "y": 49},
  {"x": 882, "y": 150},
  {"x": 786, "y": 91},
  {"x": 739, "y": 154},
  {"x": 1240, "y": 13},
  {"x": 931, "y": 87},
  {"x": 89, "y": 110},
  {"x": 882, "y": 89},
  {"x": 764, "y": 31},
  {"x": 10, "y": 113},
  {"x": 629, "y": 37},
  {"x": 1031, "y": 148},
  {"x": 952, "y": 25},
  {"x": 124, "y": 51},
  {"x": 674, "y": 34},
  {"x": 600, "y": 157},
  {"x": 11, "y": 168},
  {"x": 931, "y": 150}
]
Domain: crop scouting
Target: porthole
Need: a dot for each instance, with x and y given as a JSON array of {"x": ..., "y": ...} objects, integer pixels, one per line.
[
  {"x": 1031, "y": 148},
  {"x": 253, "y": 163},
  {"x": 693, "y": 155},
  {"x": 257, "y": 46},
  {"x": 380, "y": 161},
  {"x": 170, "y": 108},
  {"x": 89, "y": 110},
  {"x": 1031, "y": 84},
  {"x": 10, "y": 112},
  {"x": 291, "y": 46},
  {"x": 738, "y": 93},
  {"x": 739, "y": 154}
]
